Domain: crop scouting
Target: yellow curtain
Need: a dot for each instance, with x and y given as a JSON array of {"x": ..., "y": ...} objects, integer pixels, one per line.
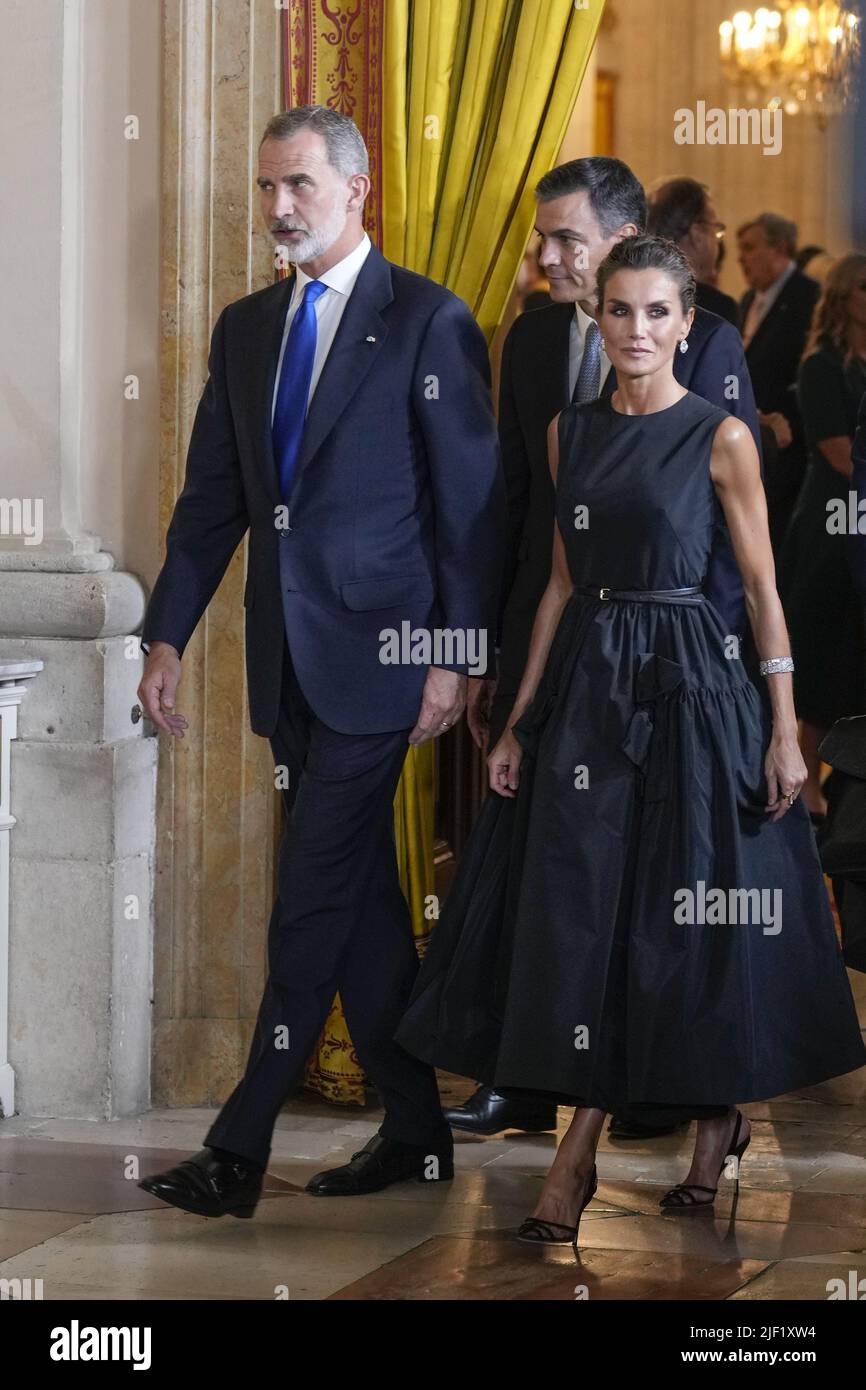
[
  {"x": 476, "y": 100},
  {"x": 463, "y": 108}
]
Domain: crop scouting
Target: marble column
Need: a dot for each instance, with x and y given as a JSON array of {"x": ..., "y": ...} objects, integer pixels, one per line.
[
  {"x": 78, "y": 420},
  {"x": 14, "y": 676},
  {"x": 216, "y": 818}
]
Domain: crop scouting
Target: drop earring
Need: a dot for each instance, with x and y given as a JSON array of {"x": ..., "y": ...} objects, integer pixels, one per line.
[{"x": 684, "y": 347}]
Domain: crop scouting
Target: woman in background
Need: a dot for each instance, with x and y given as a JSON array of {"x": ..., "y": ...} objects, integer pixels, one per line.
[
  {"x": 857, "y": 543},
  {"x": 823, "y": 610}
]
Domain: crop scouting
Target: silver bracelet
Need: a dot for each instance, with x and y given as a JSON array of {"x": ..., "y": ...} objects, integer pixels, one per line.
[{"x": 776, "y": 664}]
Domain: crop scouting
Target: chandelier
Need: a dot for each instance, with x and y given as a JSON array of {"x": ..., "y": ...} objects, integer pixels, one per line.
[{"x": 800, "y": 55}]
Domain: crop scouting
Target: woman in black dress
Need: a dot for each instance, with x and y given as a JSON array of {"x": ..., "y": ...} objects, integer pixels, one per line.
[
  {"x": 639, "y": 917},
  {"x": 824, "y": 612}
]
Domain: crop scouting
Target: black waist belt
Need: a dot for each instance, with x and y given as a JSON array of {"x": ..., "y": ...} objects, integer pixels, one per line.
[{"x": 692, "y": 595}]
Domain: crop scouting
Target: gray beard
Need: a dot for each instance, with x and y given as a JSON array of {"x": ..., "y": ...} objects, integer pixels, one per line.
[{"x": 317, "y": 242}]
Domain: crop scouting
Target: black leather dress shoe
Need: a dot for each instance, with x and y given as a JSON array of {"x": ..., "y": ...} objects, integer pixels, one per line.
[
  {"x": 487, "y": 1112},
  {"x": 208, "y": 1186},
  {"x": 621, "y": 1128},
  {"x": 381, "y": 1162}
]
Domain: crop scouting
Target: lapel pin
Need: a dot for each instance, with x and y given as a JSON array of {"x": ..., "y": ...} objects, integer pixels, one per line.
[{"x": 369, "y": 338}]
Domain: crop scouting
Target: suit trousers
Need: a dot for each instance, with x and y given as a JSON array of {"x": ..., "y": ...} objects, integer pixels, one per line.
[{"x": 340, "y": 923}]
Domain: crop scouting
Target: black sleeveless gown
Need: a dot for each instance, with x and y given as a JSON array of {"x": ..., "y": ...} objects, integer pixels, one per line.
[{"x": 566, "y": 958}]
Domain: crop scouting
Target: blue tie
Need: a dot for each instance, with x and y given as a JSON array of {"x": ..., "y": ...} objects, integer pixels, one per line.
[{"x": 297, "y": 371}]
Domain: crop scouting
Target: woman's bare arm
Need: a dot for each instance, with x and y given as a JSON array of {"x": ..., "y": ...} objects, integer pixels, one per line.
[{"x": 736, "y": 475}]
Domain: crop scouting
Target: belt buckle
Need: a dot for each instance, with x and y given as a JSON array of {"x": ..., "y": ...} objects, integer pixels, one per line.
[{"x": 604, "y": 593}]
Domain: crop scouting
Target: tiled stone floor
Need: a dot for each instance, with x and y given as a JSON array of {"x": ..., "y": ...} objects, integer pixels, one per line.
[{"x": 72, "y": 1216}]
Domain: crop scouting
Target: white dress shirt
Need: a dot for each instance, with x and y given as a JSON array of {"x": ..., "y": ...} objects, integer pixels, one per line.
[
  {"x": 329, "y": 307},
  {"x": 763, "y": 301},
  {"x": 576, "y": 339}
]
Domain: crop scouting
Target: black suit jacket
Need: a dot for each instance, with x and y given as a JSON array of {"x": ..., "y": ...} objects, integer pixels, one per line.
[
  {"x": 534, "y": 388},
  {"x": 396, "y": 515},
  {"x": 774, "y": 355},
  {"x": 717, "y": 302},
  {"x": 775, "y": 351}
]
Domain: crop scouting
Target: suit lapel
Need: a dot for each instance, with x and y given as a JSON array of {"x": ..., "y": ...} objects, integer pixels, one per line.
[
  {"x": 264, "y": 354},
  {"x": 770, "y": 316},
  {"x": 777, "y": 310},
  {"x": 745, "y": 306},
  {"x": 358, "y": 342},
  {"x": 563, "y": 348}
]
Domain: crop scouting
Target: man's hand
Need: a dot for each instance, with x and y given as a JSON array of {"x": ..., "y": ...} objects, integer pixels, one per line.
[
  {"x": 441, "y": 704},
  {"x": 479, "y": 702},
  {"x": 158, "y": 688},
  {"x": 779, "y": 425}
]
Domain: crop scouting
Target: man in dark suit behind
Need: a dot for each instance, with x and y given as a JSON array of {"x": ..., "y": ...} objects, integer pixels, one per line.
[
  {"x": 683, "y": 211},
  {"x": 347, "y": 423},
  {"x": 584, "y": 207},
  {"x": 776, "y": 315}
]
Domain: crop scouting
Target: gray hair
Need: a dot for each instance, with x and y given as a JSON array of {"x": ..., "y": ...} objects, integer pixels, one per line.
[
  {"x": 344, "y": 142},
  {"x": 780, "y": 231}
]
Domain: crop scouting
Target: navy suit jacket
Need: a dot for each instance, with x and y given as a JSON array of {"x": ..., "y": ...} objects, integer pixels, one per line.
[
  {"x": 534, "y": 388},
  {"x": 396, "y": 514}
]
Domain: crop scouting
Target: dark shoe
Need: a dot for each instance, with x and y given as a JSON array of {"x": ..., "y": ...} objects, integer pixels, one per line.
[
  {"x": 621, "y": 1128},
  {"x": 536, "y": 1231},
  {"x": 487, "y": 1112},
  {"x": 380, "y": 1163},
  {"x": 681, "y": 1199},
  {"x": 208, "y": 1186}
]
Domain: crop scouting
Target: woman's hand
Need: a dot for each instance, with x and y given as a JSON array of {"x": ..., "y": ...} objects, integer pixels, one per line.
[
  {"x": 786, "y": 773},
  {"x": 504, "y": 765}
]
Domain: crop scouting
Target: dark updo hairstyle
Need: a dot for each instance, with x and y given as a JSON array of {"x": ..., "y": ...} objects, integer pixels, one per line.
[{"x": 649, "y": 253}]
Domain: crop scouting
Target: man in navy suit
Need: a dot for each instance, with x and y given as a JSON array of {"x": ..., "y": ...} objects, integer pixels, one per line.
[
  {"x": 347, "y": 424},
  {"x": 584, "y": 207}
]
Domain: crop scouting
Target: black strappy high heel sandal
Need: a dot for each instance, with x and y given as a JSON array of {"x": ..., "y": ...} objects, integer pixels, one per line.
[
  {"x": 680, "y": 1199},
  {"x": 535, "y": 1231}
]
